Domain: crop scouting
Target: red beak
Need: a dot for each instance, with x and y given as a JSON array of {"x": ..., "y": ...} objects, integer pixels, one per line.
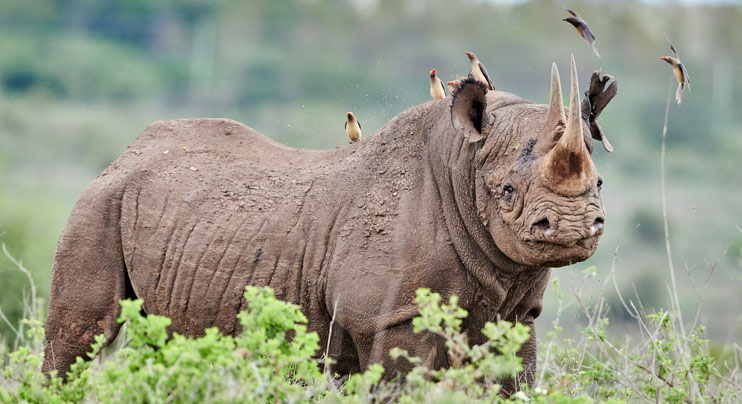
[
  {"x": 663, "y": 58},
  {"x": 467, "y": 53},
  {"x": 350, "y": 114},
  {"x": 432, "y": 72}
]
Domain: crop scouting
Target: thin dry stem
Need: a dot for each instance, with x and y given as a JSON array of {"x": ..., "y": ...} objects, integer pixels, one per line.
[
  {"x": 675, "y": 298},
  {"x": 326, "y": 369}
]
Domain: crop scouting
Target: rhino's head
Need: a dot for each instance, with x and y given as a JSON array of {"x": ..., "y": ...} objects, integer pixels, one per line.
[{"x": 535, "y": 188}]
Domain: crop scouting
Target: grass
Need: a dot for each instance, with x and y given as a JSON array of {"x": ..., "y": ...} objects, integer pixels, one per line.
[{"x": 657, "y": 362}]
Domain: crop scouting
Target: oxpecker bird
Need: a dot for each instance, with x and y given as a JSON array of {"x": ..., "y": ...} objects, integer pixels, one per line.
[
  {"x": 479, "y": 71},
  {"x": 451, "y": 86},
  {"x": 454, "y": 84},
  {"x": 437, "y": 91},
  {"x": 582, "y": 28},
  {"x": 681, "y": 75},
  {"x": 353, "y": 128}
]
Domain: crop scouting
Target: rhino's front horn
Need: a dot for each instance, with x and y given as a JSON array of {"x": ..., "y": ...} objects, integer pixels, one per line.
[{"x": 567, "y": 169}]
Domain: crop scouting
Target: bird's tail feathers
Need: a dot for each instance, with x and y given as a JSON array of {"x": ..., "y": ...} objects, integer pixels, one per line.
[
  {"x": 595, "y": 49},
  {"x": 679, "y": 95}
]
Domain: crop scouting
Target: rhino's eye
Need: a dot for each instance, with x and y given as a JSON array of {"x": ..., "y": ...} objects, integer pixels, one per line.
[
  {"x": 600, "y": 183},
  {"x": 507, "y": 192}
]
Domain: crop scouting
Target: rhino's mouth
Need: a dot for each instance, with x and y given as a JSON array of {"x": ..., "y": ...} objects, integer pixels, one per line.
[
  {"x": 542, "y": 232},
  {"x": 561, "y": 252},
  {"x": 585, "y": 242}
]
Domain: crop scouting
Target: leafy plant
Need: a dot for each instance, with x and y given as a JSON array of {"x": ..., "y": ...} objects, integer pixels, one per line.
[{"x": 273, "y": 359}]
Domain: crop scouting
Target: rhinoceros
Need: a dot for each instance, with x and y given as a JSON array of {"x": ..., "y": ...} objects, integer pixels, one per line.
[{"x": 477, "y": 195}]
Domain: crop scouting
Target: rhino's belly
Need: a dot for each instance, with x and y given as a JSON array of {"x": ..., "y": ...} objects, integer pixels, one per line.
[{"x": 190, "y": 255}]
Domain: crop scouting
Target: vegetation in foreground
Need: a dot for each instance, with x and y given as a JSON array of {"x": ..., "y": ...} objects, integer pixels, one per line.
[{"x": 262, "y": 365}]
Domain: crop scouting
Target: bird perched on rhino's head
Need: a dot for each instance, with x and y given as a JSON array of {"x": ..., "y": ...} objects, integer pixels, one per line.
[
  {"x": 681, "y": 75},
  {"x": 582, "y": 29},
  {"x": 479, "y": 71},
  {"x": 352, "y": 127},
  {"x": 451, "y": 86},
  {"x": 437, "y": 90}
]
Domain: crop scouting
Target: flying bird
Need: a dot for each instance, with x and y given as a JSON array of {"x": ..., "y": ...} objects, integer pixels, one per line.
[
  {"x": 437, "y": 90},
  {"x": 479, "y": 71},
  {"x": 582, "y": 28},
  {"x": 681, "y": 75},
  {"x": 353, "y": 128}
]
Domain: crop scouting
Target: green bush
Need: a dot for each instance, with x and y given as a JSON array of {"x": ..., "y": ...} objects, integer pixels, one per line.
[
  {"x": 262, "y": 364},
  {"x": 274, "y": 359}
]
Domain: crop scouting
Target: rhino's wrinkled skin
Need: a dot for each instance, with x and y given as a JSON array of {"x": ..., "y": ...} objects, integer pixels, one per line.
[{"x": 457, "y": 195}]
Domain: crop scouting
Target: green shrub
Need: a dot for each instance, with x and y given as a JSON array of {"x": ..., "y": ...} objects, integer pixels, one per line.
[
  {"x": 262, "y": 364},
  {"x": 273, "y": 360}
]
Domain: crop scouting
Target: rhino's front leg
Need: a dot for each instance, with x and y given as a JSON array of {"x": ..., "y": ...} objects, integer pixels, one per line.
[
  {"x": 528, "y": 352},
  {"x": 375, "y": 347},
  {"x": 432, "y": 351}
]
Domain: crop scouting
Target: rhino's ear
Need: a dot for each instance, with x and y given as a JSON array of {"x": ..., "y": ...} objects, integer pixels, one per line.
[{"x": 468, "y": 108}]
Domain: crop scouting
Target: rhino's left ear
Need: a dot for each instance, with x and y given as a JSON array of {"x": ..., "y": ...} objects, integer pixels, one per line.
[{"x": 468, "y": 109}]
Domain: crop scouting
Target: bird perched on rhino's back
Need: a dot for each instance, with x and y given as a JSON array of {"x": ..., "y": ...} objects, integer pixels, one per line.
[
  {"x": 437, "y": 90},
  {"x": 479, "y": 71},
  {"x": 681, "y": 75},
  {"x": 352, "y": 127},
  {"x": 582, "y": 28}
]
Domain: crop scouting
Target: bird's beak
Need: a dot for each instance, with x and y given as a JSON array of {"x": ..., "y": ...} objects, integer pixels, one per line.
[
  {"x": 468, "y": 53},
  {"x": 663, "y": 58},
  {"x": 350, "y": 114},
  {"x": 432, "y": 72}
]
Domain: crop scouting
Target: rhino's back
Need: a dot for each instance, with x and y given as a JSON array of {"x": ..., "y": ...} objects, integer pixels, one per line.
[
  {"x": 210, "y": 205},
  {"x": 213, "y": 142}
]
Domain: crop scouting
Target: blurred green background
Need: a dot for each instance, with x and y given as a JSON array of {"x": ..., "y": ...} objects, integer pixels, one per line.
[{"x": 80, "y": 79}]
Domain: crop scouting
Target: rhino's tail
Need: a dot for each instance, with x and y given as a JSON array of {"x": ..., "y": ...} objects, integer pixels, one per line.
[{"x": 88, "y": 279}]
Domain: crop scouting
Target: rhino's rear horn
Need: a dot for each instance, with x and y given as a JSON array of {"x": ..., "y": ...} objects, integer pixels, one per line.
[
  {"x": 555, "y": 115},
  {"x": 468, "y": 108},
  {"x": 567, "y": 169}
]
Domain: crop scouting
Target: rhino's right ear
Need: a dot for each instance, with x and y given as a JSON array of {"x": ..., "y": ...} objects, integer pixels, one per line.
[{"x": 468, "y": 108}]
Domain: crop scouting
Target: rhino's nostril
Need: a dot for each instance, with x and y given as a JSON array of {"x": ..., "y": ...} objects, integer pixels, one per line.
[
  {"x": 596, "y": 226},
  {"x": 542, "y": 227}
]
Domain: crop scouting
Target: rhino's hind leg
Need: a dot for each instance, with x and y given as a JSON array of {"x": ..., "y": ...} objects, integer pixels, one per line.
[{"x": 88, "y": 280}]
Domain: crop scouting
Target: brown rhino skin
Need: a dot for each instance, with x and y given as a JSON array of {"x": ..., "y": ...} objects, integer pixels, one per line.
[{"x": 194, "y": 210}]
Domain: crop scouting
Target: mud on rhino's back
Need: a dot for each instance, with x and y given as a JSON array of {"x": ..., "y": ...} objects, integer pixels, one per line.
[{"x": 202, "y": 200}]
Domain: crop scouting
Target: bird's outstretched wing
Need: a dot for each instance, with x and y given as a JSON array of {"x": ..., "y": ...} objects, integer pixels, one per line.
[
  {"x": 486, "y": 76},
  {"x": 587, "y": 33},
  {"x": 590, "y": 38},
  {"x": 573, "y": 13},
  {"x": 685, "y": 74},
  {"x": 672, "y": 48}
]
